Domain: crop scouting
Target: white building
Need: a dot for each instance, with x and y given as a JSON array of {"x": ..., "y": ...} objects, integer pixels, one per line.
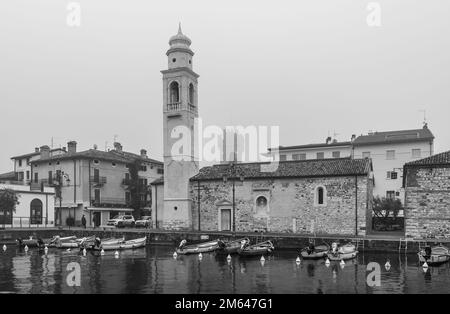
[
  {"x": 389, "y": 152},
  {"x": 36, "y": 208},
  {"x": 329, "y": 149}
]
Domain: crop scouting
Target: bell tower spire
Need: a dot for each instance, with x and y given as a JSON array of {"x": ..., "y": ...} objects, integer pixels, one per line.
[{"x": 180, "y": 110}]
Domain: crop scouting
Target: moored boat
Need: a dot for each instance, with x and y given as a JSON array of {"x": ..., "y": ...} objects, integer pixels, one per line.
[
  {"x": 258, "y": 249},
  {"x": 122, "y": 245},
  {"x": 231, "y": 247},
  {"x": 58, "y": 239},
  {"x": 315, "y": 252},
  {"x": 434, "y": 256},
  {"x": 204, "y": 247},
  {"x": 342, "y": 252},
  {"x": 31, "y": 242}
]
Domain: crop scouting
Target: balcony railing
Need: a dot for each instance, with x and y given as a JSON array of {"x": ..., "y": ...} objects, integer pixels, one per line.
[
  {"x": 178, "y": 106},
  {"x": 98, "y": 180},
  {"x": 173, "y": 107},
  {"x": 25, "y": 222}
]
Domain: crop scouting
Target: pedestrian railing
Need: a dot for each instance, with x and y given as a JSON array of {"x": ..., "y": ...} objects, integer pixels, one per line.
[{"x": 25, "y": 222}]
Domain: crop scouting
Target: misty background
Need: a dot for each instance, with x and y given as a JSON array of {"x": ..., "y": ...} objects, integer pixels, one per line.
[{"x": 315, "y": 68}]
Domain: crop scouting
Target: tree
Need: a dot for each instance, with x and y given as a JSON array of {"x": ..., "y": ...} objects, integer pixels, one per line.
[
  {"x": 8, "y": 200},
  {"x": 386, "y": 207}
]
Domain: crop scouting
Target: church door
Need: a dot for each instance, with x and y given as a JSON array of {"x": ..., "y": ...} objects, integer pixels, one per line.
[{"x": 225, "y": 219}]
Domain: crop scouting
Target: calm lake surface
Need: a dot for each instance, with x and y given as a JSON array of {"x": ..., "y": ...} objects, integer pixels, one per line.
[{"x": 154, "y": 270}]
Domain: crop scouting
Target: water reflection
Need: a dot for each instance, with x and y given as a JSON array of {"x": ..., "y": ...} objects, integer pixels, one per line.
[{"x": 154, "y": 270}]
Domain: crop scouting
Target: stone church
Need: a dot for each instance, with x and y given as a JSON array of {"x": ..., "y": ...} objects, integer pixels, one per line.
[{"x": 323, "y": 197}]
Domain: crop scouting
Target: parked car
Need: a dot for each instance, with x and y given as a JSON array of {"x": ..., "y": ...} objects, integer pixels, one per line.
[
  {"x": 121, "y": 221},
  {"x": 144, "y": 222}
]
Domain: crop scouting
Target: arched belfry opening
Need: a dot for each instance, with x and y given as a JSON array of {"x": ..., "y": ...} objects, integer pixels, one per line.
[
  {"x": 191, "y": 94},
  {"x": 174, "y": 92}
]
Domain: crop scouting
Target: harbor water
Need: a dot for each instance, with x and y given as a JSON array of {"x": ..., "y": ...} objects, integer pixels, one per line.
[{"x": 155, "y": 270}]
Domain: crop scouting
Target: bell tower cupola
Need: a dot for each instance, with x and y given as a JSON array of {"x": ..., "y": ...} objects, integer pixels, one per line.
[{"x": 180, "y": 54}]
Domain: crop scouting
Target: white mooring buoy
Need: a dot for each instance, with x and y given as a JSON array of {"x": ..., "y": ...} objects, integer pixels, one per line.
[
  {"x": 342, "y": 262},
  {"x": 298, "y": 260},
  {"x": 387, "y": 265},
  {"x": 4, "y": 247},
  {"x": 46, "y": 250},
  {"x": 200, "y": 256},
  {"x": 262, "y": 259},
  {"x": 425, "y": 265},
  {"x": 116, "y": 253},
  {"x": 229, "y": 257},
  {"x": 68, "y": 250},
  {"x": 175, "y": 255},
  {"x": 327, "y": 262},
  {"x": 84, "y": 252},
  {"x": 102, "y": 252},
  {"x": 26, "y": 248}
]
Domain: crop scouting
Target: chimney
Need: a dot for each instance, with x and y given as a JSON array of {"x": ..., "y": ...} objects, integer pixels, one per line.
[
  {"x": 143, "y": 153},
  {"x": 36, "y": 150},
  {"x": 118, "y": 146},
  {"x": 64, "y": 149},
  {"x": 72, "y": 147},
  {"x": 45, "y": 152},
  {"x": 328, "y": 140}
]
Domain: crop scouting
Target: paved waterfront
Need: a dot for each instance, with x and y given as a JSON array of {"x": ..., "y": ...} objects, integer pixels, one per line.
[{"x": 154, "y": 270}]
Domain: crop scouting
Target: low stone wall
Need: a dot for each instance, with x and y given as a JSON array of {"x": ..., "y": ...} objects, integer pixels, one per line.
[{"x": 173, "y": 238}]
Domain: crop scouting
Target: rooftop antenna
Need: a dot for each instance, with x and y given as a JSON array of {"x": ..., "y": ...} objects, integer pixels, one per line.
[{"x": 424, "y": 116}]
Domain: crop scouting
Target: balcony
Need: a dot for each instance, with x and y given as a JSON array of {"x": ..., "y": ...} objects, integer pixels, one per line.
[
  {"x": 98, "y": 181},
  {"x": 126, "y": 181},
  {"x": 176, "y": 107}
]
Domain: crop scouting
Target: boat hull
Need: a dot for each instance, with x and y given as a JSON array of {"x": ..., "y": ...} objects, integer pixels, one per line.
[
  {"x": 439, "y": 255},
  {"x": 342, "y": 256},
  {"x": 206, "y": 247},
  {"x": 127, "y": 245}
]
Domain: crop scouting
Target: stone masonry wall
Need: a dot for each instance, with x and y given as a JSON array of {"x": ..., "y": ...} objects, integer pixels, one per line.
[
  {"x": 291, "y": 205},
  {"x": 427, "y": 205}
]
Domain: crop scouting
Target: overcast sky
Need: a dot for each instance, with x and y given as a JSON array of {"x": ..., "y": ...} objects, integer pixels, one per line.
[{"x": 312, "y": 67}]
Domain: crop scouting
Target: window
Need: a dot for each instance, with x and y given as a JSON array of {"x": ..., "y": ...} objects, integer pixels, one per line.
[
  {"x": 114, "y": 164},
  {"x": 20, "y": 176},
  {"x": 20, "y": 162},
  {"x": 390, "y": 194},
  {"x": 191, "y": 93},
  {"x": 28, "y": 175},
  {"x": 36, "y": 177},
  {"x": 174, "y": 96},
  {"x": 392, "y": 175},
  {"x": 96, "y": 161},
  {"x": 50, "y": 177},
  {"x": 36, "y": 212},
  {"x": 127, "y": 197},
  {"x": 366, "y": 155},
  {"x": 295, "y": 157},
  {"x": 283, "y": 157},
  {"x": 390, "y": 154},
  {"x": 143, "y": 168},
  {"x": 174, "y": 60},
  {"x": 302, "y": 156},
  {"x": 160, "y": 171},
  {"x": 336, "y": 154},
  {"x": 416, "y": 153},
  {"x": 320, "y": 196},
  {"x": 320, "y": 155}
]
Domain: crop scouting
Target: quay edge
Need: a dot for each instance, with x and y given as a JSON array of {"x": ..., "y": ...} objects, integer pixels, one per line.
[{"x": 377, "y": 243}]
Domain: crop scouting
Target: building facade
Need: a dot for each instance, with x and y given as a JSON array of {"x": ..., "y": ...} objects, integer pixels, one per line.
[
  {"x": 330, "y": 149},
  {"x": 427, "y": 197},
  {"x": 97, "y": 184},
  {"x": 22, "y": 163},
  {"x": 389, "y": 152},
  {"x": 35, "y": 208},
  {"x": 325, "y": 197}
]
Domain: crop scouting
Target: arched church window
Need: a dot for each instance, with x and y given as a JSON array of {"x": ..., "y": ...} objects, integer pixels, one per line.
[
  {"x": 320, "y": 196},
  {"x": 36, "y": 212},
  {"x": 261, "y": 205},
  {"x": 174, "y": 92},
  {"x": 191, "y": 93}
]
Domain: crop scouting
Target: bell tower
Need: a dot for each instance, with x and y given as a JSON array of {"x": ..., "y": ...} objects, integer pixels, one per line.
[{"x": 179, "y": 110}]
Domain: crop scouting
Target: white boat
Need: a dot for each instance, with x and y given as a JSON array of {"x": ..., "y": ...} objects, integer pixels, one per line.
[
  {"x": 342, "y": 252},
  {"x": 434, "y": 256}
]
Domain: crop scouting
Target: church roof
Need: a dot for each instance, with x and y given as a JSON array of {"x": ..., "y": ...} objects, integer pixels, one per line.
[
  {"x": 288, "y": 169},
  {"x": 435, "y": 160}
]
